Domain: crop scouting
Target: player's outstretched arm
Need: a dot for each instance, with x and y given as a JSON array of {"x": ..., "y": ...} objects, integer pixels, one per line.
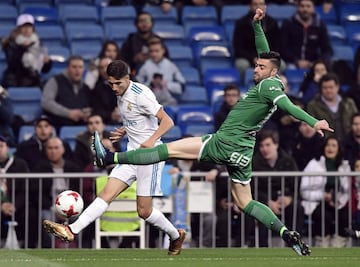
[{"x": 321, "y": 126}]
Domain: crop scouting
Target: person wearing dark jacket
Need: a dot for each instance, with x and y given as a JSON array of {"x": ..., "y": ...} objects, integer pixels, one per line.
[
  {"x": 13, "y": 211},
  {"x": 304, "y": 37},
  {"x": 6, "y": 117},
  {"x": 351, "y": 142},
  {"x": 33, "y": 149},
  {"x": 135, "y": 49},
  {"x": 54, "y": 163},
  {"x": 231, "y": 97},
  {"x": 269, "y": 158},
  {"x": 244, "y": 51}
]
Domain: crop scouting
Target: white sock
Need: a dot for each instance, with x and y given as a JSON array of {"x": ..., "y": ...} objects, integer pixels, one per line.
[
  {"x": 90, "y": 214},
  {"x": 158, "y": 219}
]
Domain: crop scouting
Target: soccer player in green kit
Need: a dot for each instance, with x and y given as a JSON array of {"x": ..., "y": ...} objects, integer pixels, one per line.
[{"x": 234, "y": 142}]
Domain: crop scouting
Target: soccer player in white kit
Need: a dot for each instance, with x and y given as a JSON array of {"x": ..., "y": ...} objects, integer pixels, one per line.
[{"x": 141, "y": 114}]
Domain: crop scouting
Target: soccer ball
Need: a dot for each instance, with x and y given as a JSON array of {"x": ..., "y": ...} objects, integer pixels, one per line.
[{"x": 69, "y": 204}]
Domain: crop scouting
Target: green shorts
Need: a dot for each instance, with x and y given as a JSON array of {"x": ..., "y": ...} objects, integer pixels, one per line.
[{"x": 237, "y": 159}]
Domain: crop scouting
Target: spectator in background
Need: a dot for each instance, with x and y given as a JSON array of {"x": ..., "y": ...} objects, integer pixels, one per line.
[
  {"x": 26, "y": 57},
  {"x": 109, "y": 49},
  {"x": 269, "y": 158},
  {"x": 13, "y": 211},
  {"x": 354, "y": 89},
  {"x": 135, "y": 49},
  {"x": 315, "y": 189},
  {"x": 304, "y": 37},
  {"x": 310, "y": 85},
  {"x": 6, "y": 117},
  {"x": 244, "y": 50},
  {"x": 66, "y": 98},
  {"x": 83, "y": 152},
  {"x": 307, "y": 145},
  {"x": 33, "y": 149},
  {"x": 351, "y": 142},
  {"x": 231, "y": 97},
  {"x": 331, "y": 106},
  {"x": 170, "y": 79},
  {"x": 102, "y": 98},
  {"x": 54, "y": 163}
]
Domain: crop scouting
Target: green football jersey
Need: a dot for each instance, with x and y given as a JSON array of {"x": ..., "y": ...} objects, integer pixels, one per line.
[{"x": 249, "y": 115}]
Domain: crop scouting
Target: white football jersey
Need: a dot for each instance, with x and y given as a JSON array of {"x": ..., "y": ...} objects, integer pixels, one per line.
[{"x": 138, "y": 107}]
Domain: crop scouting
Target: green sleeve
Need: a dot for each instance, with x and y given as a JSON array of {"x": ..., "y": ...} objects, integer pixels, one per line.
[
  {"x": 285, "y": 104},
  {"x": 260, "y": 38}
]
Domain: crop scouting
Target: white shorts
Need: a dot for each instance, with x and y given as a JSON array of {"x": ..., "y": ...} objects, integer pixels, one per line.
[{"x": 148, "y": 177}]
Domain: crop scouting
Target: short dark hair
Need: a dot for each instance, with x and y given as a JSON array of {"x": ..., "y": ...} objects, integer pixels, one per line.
[
  {"x": 231, "y": 86},
  {"x": 118, "y": 69},
  {"x": 143, "y": 13},
  {"x": 74, "y": 57},
  {"x": 267, "y": 133},
  {"x": 330, "y": 76},
  {"x": 273, "y": 56}
]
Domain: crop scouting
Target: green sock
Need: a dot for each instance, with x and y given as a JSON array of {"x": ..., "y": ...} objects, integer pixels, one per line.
[
  {"x": 142, "y": 156},
  {"x": 265, "y": 215}
]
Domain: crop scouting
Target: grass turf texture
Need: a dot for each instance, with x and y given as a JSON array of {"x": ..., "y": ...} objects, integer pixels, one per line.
[{"x": 264, "y": 257}]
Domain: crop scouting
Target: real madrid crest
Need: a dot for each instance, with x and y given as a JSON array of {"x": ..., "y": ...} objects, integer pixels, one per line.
[{"x": 129, "y": 107}]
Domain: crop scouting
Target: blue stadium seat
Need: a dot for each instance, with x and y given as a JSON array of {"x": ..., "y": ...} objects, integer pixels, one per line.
[
  {"x": 26, "y": 102},
  {"x": 198, "y": 130},
  {"x": 353, "y": 35},
  {"x": 295, "y": 77},
  {"x": 337, "y": 34},
  {"x": 59, "y": 55},
  {"x": 194, "y": 115},
  {"x": 248, "y": 78},
  {"x": 8, "y": 14},
  {"x": 172, "y": 34},
  {"x": 125, "y": 15},
  {"x": 78, "y": 14},
  {"x": 173, "y": 134},
  {"x": 43, "y": 15},
  {"x": 349, "y": 13},
  {"x": 34, "y": 2},
  {"x": 229, "y": 34},
  {"x": 343, "y": 52},
  {"x": 280, "y": 12},
  {"x": 5, "y": 29},
  {"x": 162, "y": 17},
  {"x": 222, "y": 77},
  {"x": 25, "y": 133},
  {"x": 191, "y": 75},
  {"x": 69, "y": 134},
  {"x": 198, "y": 16},
  {"x": 230, "y": 13},
  {"x": 52, "y": 35},
  {"x": 206, "y": 34},
  {"x": 211, "y": 55},
  {"x": 118, "y": 32},
  {"x": 181, "y": 55},
  {"x": 194, "y": 95},
  {"x": 87, "y": 52},
  {"x": 88, "y": 34},
  {"x": 73, "y": 2},
  {"x": 330, "y": 18}
]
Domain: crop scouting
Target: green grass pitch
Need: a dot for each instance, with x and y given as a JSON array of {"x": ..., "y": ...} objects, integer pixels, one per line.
[{"x": 249, "y": 257}]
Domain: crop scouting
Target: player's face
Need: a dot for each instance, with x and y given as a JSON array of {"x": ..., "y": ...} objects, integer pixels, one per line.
[
  {"x": 44, "y": 130},
  {"x": 331, "y": 149},
  {"x": 76, "y": 70},
  {"x": 355, "y": 126},
  {"x": 119, "y": 86},
  {"x": 268, "y": 149},
  {"x": 263, "y": 69}
]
